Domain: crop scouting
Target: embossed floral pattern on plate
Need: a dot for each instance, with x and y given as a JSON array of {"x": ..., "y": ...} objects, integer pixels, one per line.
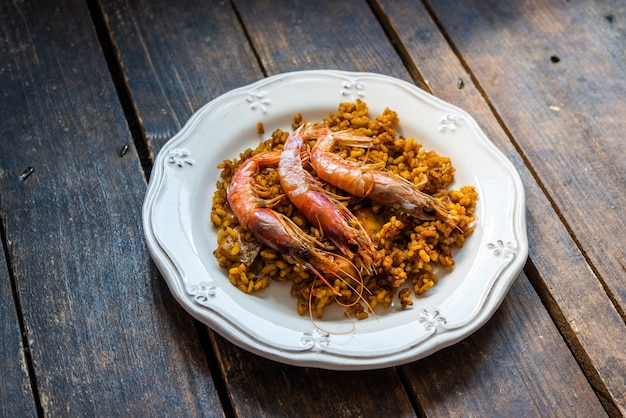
[{"x": 181, "y": 239}]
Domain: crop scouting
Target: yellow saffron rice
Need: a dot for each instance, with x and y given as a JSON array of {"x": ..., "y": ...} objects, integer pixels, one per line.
[{"x": 408, "y": 249}]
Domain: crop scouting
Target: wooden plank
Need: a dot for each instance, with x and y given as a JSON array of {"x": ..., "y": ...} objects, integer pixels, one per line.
[
  {"x": 260, "y": 387},
  {"x": 496, "y": 381},
  {"x": 247, "y": 376},
  {"x": 105, "y": 335},
  {"x": 567, "y": 111},
  {"x": 295, "y": 36},
  {"x": 16, "y": 394},
  {"x": 555, "y": 256},
  {"x": 177, "y": 58},
  {"x": 325, "y": 35},
  {"x": 255, "y": 20}
]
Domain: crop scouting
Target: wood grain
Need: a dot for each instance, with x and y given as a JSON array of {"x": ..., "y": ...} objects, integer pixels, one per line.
[
  {"x": 177, "y": 58},
  {"x": 106, "y": 337},
  {"x": 325, "y": 35},
  {"x": 562, "y": 274},
  {"x": 16, "y": 394},
  {"x": 260, "y": 387},
  {"x": 304, "y": 36},
  {"x": 566, "y": 113},
  {"x": 175, "y": 69}
]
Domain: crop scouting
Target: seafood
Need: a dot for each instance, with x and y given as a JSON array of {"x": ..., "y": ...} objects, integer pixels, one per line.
[
  {"x": 279, "y": 243},
  {"x": 276, "y": 230},
  {"x": 367, "y": 180},
  {"x": 319, "y": 206}
]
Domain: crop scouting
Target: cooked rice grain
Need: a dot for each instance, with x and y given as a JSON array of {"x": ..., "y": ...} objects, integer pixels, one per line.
[{"x": 409, "y": 251}]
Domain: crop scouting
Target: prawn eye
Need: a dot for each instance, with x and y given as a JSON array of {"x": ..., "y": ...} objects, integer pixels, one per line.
[{"x": 428, "y": 211}]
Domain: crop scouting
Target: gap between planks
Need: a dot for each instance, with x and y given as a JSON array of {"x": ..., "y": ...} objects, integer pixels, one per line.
[
  {"x": 246, "y": 33},
  {"x": 111, "y": 56},
  {"x": 146, "y": 157},
  {"x": 17, "y": 303},
  {"x": 531, "y": 272},
  {"x": 524, "y": 158}
]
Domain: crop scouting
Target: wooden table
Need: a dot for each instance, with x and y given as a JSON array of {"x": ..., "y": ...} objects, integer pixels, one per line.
[{"x": 92, "y": 90}]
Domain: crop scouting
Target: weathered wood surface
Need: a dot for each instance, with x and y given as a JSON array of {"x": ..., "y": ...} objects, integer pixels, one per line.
[
  {"x": 567, "y": 62},
  {"x": 105, "y": 336},
  {"x": 178, "y": 57},
  {"x": 16, "y": 393},
  {"x": 561, "y": 272},
  {"x": 260, "y": 387},
  {"x": 278, "y": 35}
]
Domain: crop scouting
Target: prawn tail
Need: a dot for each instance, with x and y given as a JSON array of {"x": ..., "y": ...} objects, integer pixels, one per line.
[
  {"x": 346, "y": 272},
  {"x": 453, "y": 220},
  {"x": 326, "y": 265},
  {"x": 444, "y": 214}
]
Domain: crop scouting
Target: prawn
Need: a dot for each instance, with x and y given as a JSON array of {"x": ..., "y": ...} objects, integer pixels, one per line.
[
  {"x": 319, "y": 206},
  {"x": 368, "y": 180},
  {"x": 277, "y": 231}
]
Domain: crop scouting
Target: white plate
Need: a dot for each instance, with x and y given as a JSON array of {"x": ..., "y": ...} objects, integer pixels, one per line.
[{"x": 181, "y": 239}]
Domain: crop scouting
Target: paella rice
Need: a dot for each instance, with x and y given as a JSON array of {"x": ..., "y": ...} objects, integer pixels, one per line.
[{"x": 408, "y": 251}]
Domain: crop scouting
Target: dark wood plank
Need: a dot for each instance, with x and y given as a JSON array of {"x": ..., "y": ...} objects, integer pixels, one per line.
[
  {"x": 304, "y": 36},
  {"x": 16, "y": 394},
  {"x": 555, "y": 256},
  {"x": 215, "y": 66},
  {"x": 481, "y": 373},
  {"x": 322, "y": 35},
  {"x": 287, "y": 391},
  {"x": 177, "y": 58},
  {"x": 104, "y": 333},
  {"x": 567, "y": 110}
]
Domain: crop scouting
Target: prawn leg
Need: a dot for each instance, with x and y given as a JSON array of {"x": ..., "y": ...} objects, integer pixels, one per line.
[
  {"x": 320, "y": 207},
  {"x": 276, "y": 230},
  {"x": 368, "y": 180}
]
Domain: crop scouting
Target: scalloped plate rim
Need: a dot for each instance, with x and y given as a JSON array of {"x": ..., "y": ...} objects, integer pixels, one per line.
[{"x": 318, "y": 357}]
